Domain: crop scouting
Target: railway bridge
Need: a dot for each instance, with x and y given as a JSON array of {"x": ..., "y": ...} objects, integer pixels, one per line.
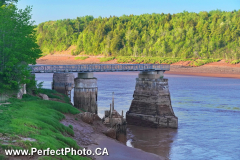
[{"x": 151, "y": 104}]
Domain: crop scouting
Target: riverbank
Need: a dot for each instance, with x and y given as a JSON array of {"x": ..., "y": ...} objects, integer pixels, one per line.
[
  {"x": 215, "y": 69},
  {"x": 31, "y": 122},
  {"x": 204, "y": 107},
  {"x": 92, "y": 137},
  {"x": 55, "y": 124},
  {"x": 208, "y": 70}
]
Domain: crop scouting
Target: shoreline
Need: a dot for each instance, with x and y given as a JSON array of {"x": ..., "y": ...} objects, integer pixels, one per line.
[
  {"x": 91, "y": 136},
  {"x": 208, "y": 70},
  {"x": 235, "y": 76},
  {"x": 219, "y": 69}
]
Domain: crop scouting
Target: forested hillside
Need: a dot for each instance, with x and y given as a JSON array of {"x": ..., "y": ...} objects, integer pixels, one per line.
[{"x": 214, "y": 34}]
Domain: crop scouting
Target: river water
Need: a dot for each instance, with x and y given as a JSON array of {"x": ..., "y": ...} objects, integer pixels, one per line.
[{"x": 208, "y": 110}]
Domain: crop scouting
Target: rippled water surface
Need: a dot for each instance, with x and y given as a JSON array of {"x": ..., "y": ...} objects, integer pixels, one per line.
[{"x": 208, "y": 110}]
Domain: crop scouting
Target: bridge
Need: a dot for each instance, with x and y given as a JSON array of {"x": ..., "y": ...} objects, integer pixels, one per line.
[
  {"x": 151, "y": 104},
  {"x": 98, "y": 68}
]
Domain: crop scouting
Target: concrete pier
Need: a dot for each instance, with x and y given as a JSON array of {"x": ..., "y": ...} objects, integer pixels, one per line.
[
  {"x": 151, "y": 104},
  {"x": 63, "y": 83},
  {"x": 85, "y": 92}
]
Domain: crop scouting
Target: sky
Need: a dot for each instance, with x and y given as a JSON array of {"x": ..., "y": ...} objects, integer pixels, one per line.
[{"x": 45, "y": 10}]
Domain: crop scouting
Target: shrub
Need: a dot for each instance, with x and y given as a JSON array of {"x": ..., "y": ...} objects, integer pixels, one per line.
[
  {"x": 105, "y": 59},
  {"x": 74, "y": 53},
  {"x": 81, "y": 58},
  {"x": 235, "y": 62}
]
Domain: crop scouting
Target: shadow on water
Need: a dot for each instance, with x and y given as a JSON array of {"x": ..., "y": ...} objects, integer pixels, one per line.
[{"x": 157, "y": 141}]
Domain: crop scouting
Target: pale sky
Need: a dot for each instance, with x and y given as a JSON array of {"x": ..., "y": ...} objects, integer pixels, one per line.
[{"x": 45, "y": 10}]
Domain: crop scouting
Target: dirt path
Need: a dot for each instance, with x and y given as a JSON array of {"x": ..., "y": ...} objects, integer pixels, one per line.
[{"x": 91, "y": 137}]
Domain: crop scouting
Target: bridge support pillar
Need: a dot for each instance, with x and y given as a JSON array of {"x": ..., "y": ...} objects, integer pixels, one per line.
[
  {"x": 85, "y": 92},
  {"x": 63, "y": 83},
  {"x": 151, "y": 104}
]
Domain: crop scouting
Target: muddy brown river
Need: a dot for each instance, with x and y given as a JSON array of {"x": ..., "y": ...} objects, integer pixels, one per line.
[{"x": 208, "y": 110}]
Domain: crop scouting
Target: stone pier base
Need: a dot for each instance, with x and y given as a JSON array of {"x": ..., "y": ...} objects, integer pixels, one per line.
[
  {"x": 151, "y": 104},
  {"x": 152, "y": 121},
  {"x": 63, "y": 82},
  {"x": 85, "y": 92}
]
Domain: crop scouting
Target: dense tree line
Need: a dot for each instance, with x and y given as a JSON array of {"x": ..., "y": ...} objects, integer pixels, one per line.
[
  {"x": 214, "y": 34},
  {"x": 61, "y": 34}
]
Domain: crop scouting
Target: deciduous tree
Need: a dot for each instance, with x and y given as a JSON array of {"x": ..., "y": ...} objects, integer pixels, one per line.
[{"x": 18, "y": 46}]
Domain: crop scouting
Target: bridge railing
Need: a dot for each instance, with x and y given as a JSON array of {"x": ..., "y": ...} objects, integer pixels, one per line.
[{"x": 98, "y": 68}]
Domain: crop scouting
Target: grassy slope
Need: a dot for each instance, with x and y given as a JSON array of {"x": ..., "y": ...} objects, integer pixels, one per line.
[
  {"x": 39, "y": 119},
  {"x": 55, "y": 94},
  {"x": 157, "y": 60}
]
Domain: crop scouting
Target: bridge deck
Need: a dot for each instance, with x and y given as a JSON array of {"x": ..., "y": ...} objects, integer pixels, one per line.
[{"x": 98, "y": 68}]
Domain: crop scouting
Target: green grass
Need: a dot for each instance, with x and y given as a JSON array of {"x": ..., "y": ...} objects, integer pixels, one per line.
[
  {"x": 160, "y": 60},
  {"x": 148, "y": 60},
  {"x": 55, "y": 94},
  {"x": 105, "y": 59},
  {"x": 81, "y": 58},
  {"x": 123, "y": 59},
  {"x": 39, "y": 119},
  {"x": 200, "y": 62},
  {"x": 235, "y": 62},
  {"x": 70, "y": 126}
]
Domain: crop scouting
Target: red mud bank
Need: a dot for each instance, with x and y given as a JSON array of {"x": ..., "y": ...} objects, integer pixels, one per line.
[
  {"x": 91, "y": 137},
  {"x": 216, "y": 69},
  {"x": 208, "y": 70}
]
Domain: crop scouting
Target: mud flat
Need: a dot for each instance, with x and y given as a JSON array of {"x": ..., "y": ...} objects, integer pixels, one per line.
[
  {"x": 216, "y": 69},
  {"x": 91, "y": 137}
]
